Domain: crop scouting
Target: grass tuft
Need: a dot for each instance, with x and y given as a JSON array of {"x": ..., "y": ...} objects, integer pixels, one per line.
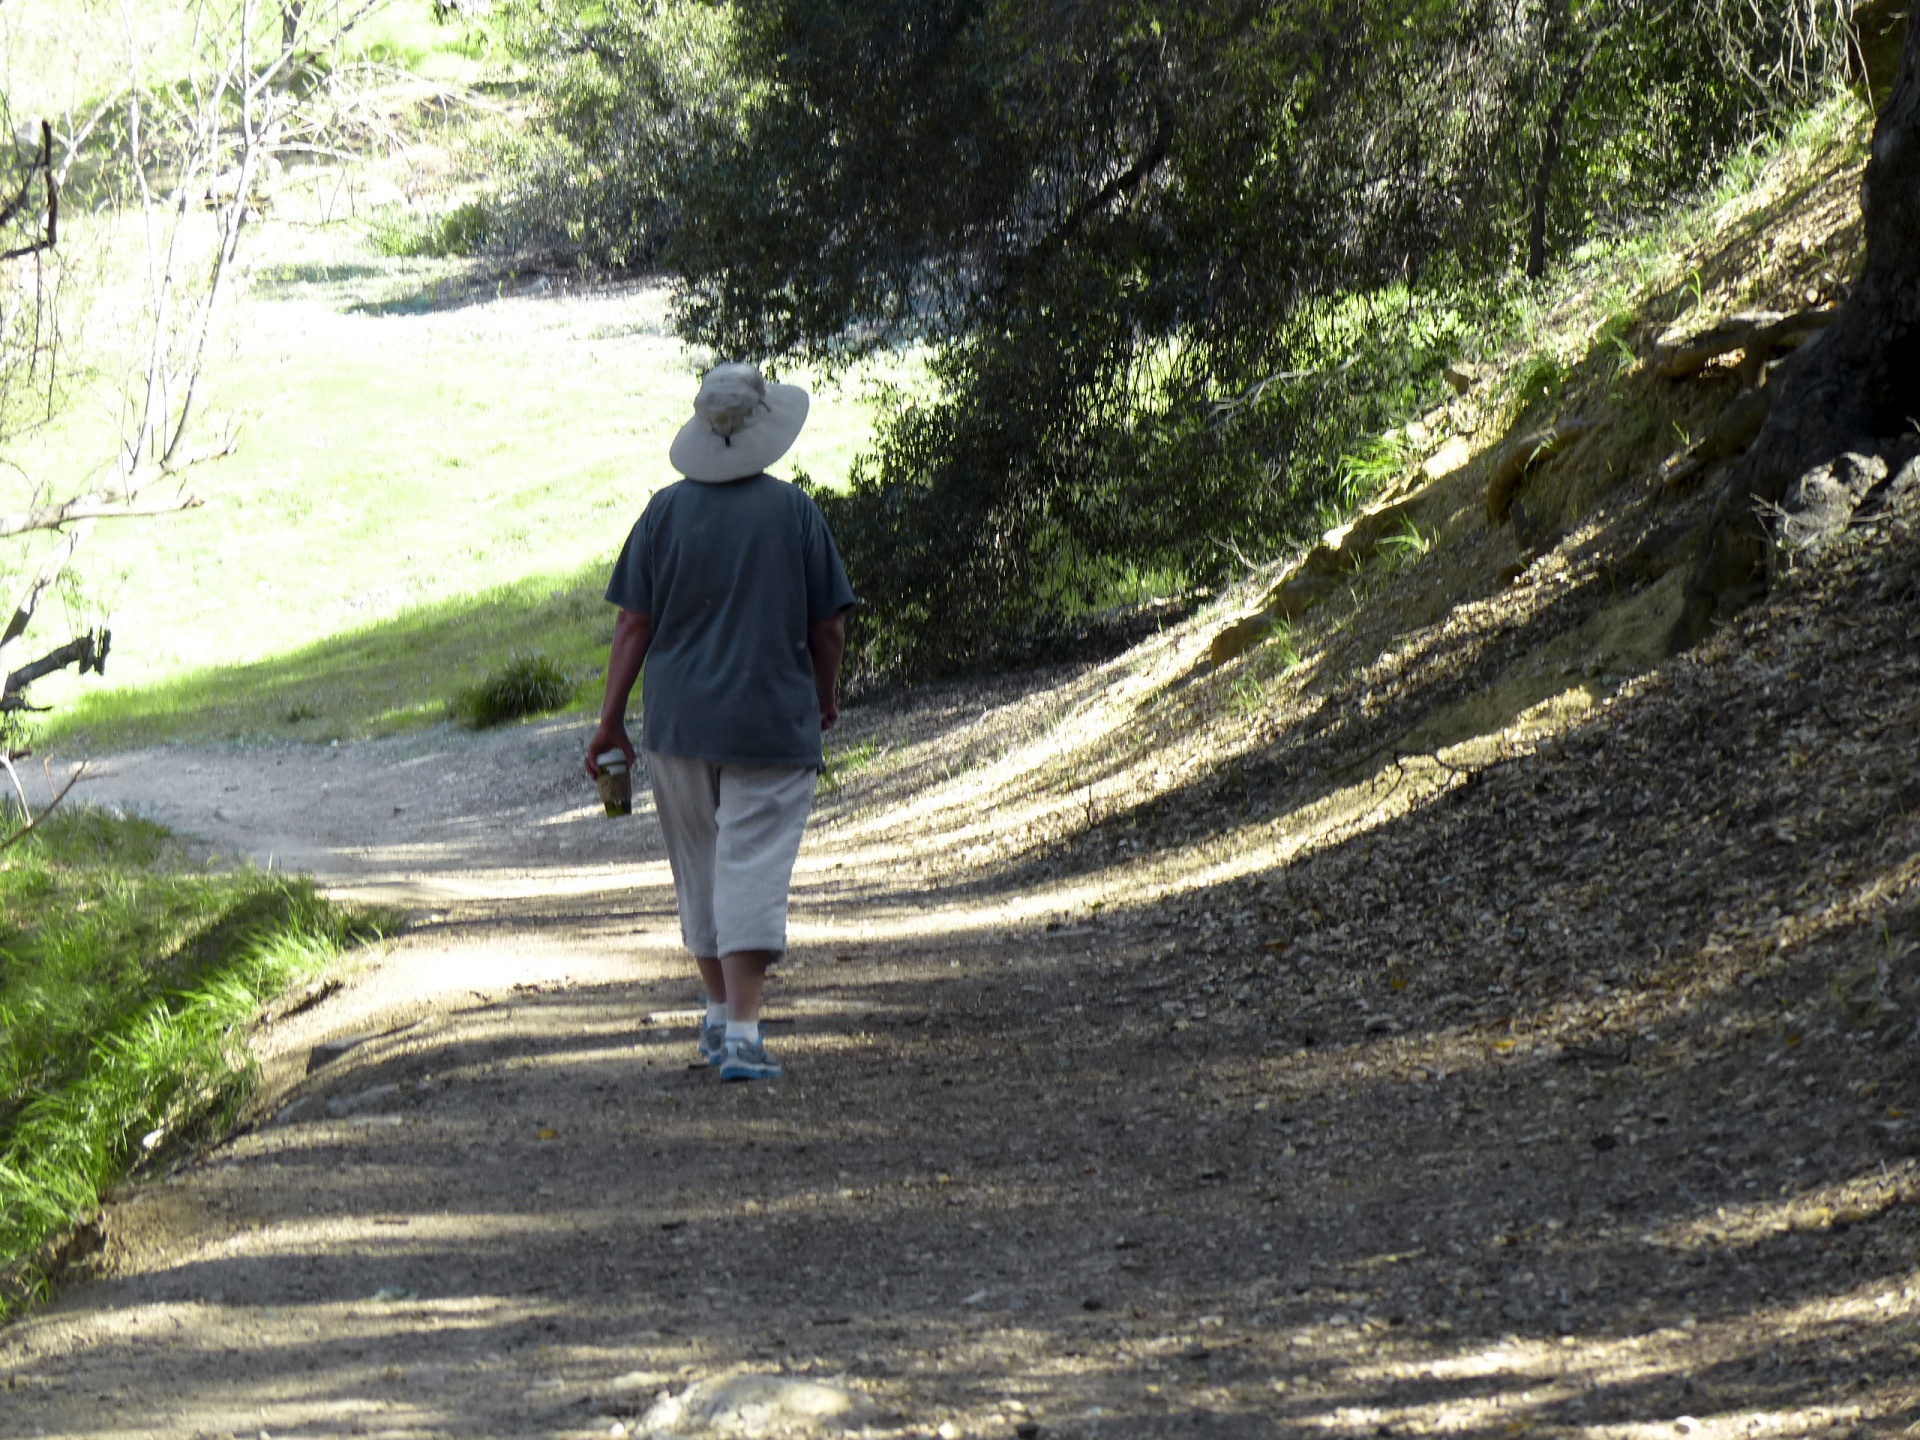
[
  {"x": 842, "y": 761},
  {"x": 525, "y": 685}
]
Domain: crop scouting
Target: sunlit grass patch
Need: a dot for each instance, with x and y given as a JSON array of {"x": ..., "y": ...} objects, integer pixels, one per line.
[
  {"x": 386, "y": 678},
  {"x": 844, "y": 760},
  {"x": 127, "y": 976}
]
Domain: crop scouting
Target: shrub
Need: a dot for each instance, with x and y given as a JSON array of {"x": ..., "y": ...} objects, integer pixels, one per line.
[
  {"x": 463, "y": 230},
  {"x": 525, "y": 685}
]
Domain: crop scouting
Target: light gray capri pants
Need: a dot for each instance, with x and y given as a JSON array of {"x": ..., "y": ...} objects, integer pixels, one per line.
[{"x": 732, "y": 834}]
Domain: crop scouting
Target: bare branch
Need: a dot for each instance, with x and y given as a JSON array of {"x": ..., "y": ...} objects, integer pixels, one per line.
[
  {"x": 49, "y": 232},
  {"x": 53, "y": 804},
  {"x": 14, "y": 775},
  {"x": 43, "y": 579},
  {"x": 91, "y": 507}
]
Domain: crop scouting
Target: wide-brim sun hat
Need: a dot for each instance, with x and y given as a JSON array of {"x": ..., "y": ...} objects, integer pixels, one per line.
[{"x": 740, "y": 425}]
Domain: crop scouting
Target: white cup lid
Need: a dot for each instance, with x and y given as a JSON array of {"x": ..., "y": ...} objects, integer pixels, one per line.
[{"x": 612, "y": 757}]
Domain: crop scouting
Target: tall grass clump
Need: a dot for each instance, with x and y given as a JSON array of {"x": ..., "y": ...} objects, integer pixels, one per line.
[
  {"x": 525, "y": 685},
  {"x": 127, "y": 980},
  {"x": 400, "y": 234}
]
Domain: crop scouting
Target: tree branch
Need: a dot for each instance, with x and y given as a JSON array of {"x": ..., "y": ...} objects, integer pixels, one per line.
[
  {"x": 43, "y": 579},
  {"x": 90, "y": 507},
  {"x": 1552, "y": 141},
  {"x": 88, "y": 651},
  {"x": 27, "y": 829},
  {"x": 44, "y": 165},
  {"x": 1128, "y": 183}
]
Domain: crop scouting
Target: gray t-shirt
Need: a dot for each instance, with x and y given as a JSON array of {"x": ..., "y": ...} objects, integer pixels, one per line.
[{"x": 731, "y": 575}]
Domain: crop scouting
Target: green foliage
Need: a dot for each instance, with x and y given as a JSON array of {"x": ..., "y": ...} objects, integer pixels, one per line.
[
  {"x": 635, "y": 91},
  {"x": 1534, "y": 386},
  {"x": 525, "y": 685},
  {"x": 403, "y": 234},
  {"x": 126, "y": 981},
  {"x": 1175, "y": 262}
]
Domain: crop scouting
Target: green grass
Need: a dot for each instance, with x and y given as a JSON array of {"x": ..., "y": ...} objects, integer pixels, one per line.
[
  {"x": 421, "y": 466},
  {"x": 382, "y": 678},
  {"x": 1405, "y": 544},
  {"x": 127, "y": 977},
  {"x": 844, "y": 760}
]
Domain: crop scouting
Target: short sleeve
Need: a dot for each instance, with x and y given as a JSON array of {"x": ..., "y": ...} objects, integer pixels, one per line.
[
  {"x": 828, "y": 590},
  {"x": 631, "y": 584}
]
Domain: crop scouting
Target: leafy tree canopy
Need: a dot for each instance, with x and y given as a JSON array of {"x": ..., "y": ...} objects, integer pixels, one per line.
[{"x": 1173, "y": 259}]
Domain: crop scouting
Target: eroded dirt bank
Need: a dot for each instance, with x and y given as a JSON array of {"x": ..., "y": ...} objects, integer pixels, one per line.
[{"x": 1556, "y": 1083}]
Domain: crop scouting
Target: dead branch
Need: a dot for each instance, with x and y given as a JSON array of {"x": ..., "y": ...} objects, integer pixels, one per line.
[
  {"x": 88, "y": 651},
  {"x": 6, "y": 761},
  {"x": 49, "y": 235},
  {"x": 90, "y": 507},
  {"x": 34, "y": 821},
  {"x": 43, "y": 579}
]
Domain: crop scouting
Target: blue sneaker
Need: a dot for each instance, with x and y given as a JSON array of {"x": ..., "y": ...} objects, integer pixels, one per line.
[
  {"x": 713, "y": 1040},
  {"x": 747, "y": 1060}
]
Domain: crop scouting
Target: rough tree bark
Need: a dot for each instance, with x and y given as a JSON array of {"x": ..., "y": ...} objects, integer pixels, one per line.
[{"x": 1845, "y": 412}]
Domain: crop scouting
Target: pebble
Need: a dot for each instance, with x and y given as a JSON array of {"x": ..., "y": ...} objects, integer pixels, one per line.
[
  {"x": 755, "y": 1405},
  {"x": 364, "y": 1100}
]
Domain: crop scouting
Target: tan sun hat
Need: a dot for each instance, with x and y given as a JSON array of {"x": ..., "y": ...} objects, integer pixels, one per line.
[{"x": 740, "y": 425}]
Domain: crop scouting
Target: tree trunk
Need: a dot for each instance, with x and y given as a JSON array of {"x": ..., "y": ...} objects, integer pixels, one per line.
[
  {"x": 1552, "y": 141},
  {"x": 1846, "y": 407}
]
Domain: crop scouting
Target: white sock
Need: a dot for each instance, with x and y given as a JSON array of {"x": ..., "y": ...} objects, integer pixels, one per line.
[
  {"x": 716, "y": 1012},
  {"x": 748, "y": 1030}
]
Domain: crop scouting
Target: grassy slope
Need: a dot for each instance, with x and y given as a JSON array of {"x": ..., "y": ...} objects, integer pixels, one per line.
[
  {"x": 421, "y": 467},
  {"x": 126, "y": 973},
  {"x": 1458, "y": 643}
]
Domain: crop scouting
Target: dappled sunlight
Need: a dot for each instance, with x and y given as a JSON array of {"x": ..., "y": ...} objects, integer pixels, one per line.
[
  {"x": 1395, "y": 999},
  {"x": 1289, "y": 1075}
]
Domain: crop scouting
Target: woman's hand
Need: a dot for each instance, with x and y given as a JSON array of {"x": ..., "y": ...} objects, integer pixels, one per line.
[{"x": 611, "y": 735}]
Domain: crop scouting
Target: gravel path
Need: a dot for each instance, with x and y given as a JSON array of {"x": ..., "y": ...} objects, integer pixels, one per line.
[{"x": 1101, "y": 1119}]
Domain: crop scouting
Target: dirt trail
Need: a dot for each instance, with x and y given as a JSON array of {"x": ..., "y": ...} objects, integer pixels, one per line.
[{"x": 1130, "y": 1095}]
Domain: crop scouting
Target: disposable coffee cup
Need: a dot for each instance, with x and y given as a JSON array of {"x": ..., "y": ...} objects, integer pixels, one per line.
[{"x": 616, "y": 786}]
